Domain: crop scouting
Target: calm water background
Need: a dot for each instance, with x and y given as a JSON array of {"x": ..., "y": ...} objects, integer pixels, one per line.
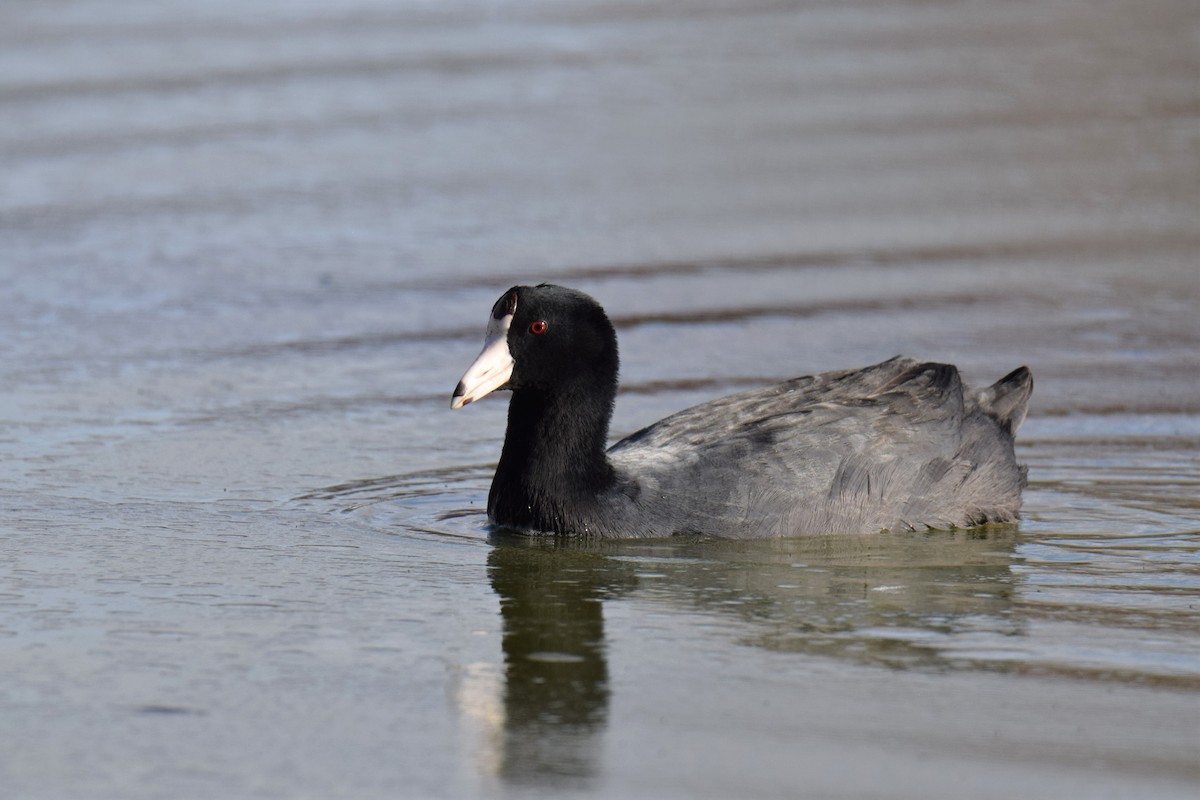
[{"x": 247, "y": 249}]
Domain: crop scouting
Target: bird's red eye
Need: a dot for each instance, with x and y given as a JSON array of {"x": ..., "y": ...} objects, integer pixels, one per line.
[{"x": 538, "y": 327}]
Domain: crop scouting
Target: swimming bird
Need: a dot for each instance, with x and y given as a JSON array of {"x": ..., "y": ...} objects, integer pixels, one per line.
[{"x": 901, "y": 445}]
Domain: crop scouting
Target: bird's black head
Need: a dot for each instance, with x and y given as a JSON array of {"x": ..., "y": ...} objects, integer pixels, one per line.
[{"x": 545, "y": 339}]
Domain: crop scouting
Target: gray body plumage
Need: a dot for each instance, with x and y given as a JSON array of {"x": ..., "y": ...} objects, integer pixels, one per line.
[{"x": 896, "y": 446}]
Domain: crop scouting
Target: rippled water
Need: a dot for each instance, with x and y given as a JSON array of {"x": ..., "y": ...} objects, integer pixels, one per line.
[
  {"x": 248, "y": 251},
  {"x": 1100, "y": 579}
]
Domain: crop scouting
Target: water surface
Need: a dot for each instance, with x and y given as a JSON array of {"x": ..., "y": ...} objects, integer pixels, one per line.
[{"x": 249, "y": 250}]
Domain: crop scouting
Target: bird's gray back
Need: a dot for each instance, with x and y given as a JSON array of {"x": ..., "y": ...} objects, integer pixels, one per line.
[{"x": 893, "y": 446}]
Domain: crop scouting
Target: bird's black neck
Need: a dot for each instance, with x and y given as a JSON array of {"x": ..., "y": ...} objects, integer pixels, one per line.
[{"x": 553, "y": 468}]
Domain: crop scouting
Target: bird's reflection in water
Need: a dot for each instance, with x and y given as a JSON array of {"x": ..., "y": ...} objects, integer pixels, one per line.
[
  {"x": 556, "y": 674},
  {"x": 894, "y": 600}
]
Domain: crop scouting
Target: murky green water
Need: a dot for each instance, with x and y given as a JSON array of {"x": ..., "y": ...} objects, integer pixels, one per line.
[{"x": 246, "y": 252}]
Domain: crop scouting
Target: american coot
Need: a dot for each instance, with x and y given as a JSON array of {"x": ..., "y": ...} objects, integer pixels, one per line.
[{"x": 897, "y": 446}]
